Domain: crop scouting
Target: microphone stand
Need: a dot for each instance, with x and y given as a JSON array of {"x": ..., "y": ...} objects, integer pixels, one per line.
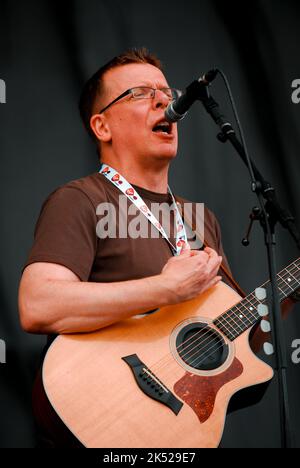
[{"x": 271, "y": 213}]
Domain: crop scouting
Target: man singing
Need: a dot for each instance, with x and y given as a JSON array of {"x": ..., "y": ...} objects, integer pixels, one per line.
[
  {"x": 76, "y": 281},
  {"x": 73, "y": 282}
]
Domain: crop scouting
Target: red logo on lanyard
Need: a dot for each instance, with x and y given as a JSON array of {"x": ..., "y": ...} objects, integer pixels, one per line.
[
  {"x": 181, "y": 243},
  {"x": 130, "y": 192},
  {"x": 116, "y": 178},
  {"x": 105, "y": 171}
]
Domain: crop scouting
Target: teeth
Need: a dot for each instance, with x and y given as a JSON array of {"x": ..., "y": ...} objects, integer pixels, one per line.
[
  {"x": 164, "y": 126},
  {"x": 164, "y": 122}
]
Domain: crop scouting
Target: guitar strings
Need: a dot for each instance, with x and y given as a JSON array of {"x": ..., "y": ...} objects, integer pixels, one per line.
[
  {"x": 207, "y": 327},
  {"x": 213, "y": 348},
  {"x": 221, "y": 346},
  {"x": 283, "y": 275},
  {"x": 257, "y": 318}
]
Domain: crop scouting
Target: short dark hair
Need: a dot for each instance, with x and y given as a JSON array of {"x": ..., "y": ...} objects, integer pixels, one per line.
[{"x": 93, "y": 88}]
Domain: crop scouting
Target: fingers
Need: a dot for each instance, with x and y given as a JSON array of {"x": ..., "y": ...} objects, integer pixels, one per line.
[
  {"x": 207, "y": 257},
  {"x": 208, "y": 250},
  {"x": 207, "y": 260},
  {"x": 215, "y": 260},
  {"x": 208, "y": 264},
  {"x": 216, "y": 280},
  {"x": 211, "y": 252}
]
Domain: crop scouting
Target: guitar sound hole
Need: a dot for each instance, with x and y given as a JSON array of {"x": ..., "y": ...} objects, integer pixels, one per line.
[{"x": 201, "y": 347}]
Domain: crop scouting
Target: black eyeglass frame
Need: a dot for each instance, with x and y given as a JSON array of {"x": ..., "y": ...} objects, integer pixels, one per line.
[{"x": 129, "y": 91}]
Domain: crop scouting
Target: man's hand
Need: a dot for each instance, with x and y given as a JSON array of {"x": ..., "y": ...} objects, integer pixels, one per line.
[
  {"x": 52, "y": 299},
  {"x": 191, "y": 274}
]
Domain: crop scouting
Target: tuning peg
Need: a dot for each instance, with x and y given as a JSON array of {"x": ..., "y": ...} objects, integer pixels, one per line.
[
  {"x": 261, "y": 294},
  {"x": 268, "y": 349},
  {"x": 265, "y": 326},
  {"x": 263, "y": 310}
]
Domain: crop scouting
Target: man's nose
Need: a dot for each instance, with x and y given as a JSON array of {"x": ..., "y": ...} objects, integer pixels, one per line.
[{"x": 160, "y": 99}]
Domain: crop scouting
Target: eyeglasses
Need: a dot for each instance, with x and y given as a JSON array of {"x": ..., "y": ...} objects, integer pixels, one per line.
[{"x": 144, "y": 92}]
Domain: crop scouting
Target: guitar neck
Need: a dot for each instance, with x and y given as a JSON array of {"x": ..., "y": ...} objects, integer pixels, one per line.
[{"x": 245, "y": 314}]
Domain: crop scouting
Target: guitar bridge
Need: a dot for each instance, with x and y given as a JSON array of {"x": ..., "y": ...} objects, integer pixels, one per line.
[{"x": 151, "y": 385}]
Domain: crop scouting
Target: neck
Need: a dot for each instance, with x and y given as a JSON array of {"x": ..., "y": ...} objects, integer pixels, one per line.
[
  {"x": 152, "y": 177},
  {"x": 245, "y": 314}
]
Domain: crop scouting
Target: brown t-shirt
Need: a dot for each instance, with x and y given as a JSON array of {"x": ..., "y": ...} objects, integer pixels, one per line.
[{"x": 66, "y": 234}]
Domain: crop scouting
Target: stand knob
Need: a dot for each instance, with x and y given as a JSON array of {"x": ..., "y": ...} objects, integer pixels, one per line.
[{"x": 254, "y": 216}]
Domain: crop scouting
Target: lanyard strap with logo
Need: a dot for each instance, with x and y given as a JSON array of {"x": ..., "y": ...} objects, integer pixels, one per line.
[{"x": 115, "y": 178}]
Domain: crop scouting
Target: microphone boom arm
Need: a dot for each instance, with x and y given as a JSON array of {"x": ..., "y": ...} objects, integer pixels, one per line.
[{"x": 259, "y": 184}]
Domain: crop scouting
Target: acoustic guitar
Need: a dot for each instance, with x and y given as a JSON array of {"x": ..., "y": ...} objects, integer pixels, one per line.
[{"x": 164, "y": 379}]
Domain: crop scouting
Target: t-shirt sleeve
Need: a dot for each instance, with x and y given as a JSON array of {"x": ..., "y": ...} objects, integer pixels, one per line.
[{"x": 65, "y": 232}]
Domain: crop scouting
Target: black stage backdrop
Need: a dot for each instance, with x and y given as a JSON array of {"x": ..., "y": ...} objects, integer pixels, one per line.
[{"x": 48, "y": 49}]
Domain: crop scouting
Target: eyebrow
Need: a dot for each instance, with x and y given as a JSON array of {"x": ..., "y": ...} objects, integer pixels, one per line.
[{"x": 150, "y": 85}]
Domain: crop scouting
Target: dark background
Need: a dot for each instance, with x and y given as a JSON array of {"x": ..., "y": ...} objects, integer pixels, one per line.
[{"x": 48, "y": 49}]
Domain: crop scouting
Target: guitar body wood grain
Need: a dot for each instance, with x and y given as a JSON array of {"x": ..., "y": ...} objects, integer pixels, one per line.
[{"x": 95, "y": 394}]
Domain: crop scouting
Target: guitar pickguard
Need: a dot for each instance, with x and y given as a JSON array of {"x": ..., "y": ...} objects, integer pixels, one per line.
[{"x": 200, "y": 392}]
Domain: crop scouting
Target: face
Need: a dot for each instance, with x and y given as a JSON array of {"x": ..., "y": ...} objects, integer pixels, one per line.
[{"x": 128, "y": 125}]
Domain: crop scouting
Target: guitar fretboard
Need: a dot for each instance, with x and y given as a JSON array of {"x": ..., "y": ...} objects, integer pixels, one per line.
[{"x": 245, "y": 314}]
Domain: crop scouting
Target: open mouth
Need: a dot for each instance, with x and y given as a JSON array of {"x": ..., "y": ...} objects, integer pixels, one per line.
[{"x": 163, "y": 127}]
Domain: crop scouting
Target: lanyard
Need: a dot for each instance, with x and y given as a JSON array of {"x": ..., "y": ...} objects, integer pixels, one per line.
[{"x": 125, "y": 187}]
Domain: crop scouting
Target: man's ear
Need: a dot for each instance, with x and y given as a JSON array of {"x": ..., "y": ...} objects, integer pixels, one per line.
[{"x": 100, "y": 127}]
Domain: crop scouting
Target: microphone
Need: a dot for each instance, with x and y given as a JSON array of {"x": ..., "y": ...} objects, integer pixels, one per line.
[{"x": 178, "y": 109}]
